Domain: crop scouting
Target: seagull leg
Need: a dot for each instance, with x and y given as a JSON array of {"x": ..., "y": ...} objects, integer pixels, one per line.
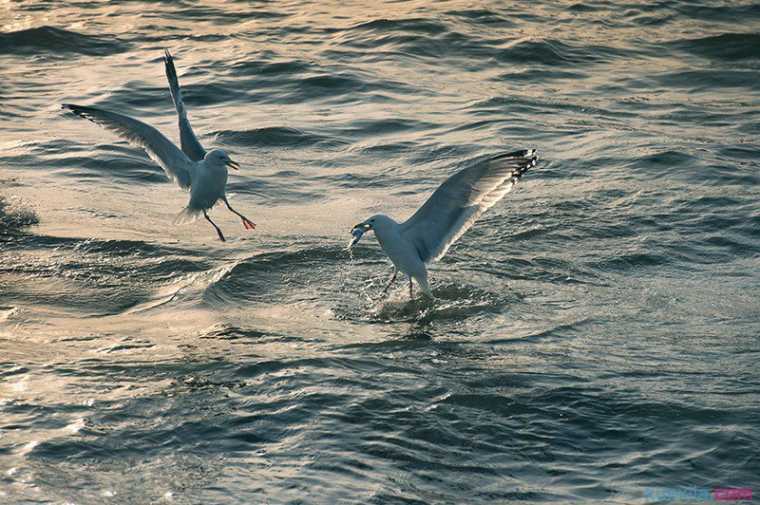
[
  {"x": 422, "y": 282},
  {"x": 247, "y": 223},
  {"x": 390, "y": 282},
  {"x": 218, "y": 231}
]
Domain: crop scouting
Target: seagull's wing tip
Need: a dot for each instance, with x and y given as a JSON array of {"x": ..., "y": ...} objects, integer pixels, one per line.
[{"x": 525, "y": 154}]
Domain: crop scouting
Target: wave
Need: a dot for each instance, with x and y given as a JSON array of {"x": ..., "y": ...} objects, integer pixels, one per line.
[
  {"x": 47, "y": 39},
  {"x": 335, "y": 81},
  {"x": 480, "y": 17},
  {"x": 553, "y": 52},
  {"x": 436, "y": 39},
  {"x": 416, "y": 38},
  {"x": 726, "y": 46},
  {"x": 257, "y": 67},
  {"x": 369, "y": 128},
  {"x": 274, "y": 136},
  {"x": 413, "y": 25},
  {"x": 706, "y": 80},
  {"x": 716, "y": 13},
  {"x": 259, "y": 276}
]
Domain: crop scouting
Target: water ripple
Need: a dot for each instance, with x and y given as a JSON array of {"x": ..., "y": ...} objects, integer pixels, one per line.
[
  {"x": 52, "y": 41},
  {"x": 593, "y": 335}
]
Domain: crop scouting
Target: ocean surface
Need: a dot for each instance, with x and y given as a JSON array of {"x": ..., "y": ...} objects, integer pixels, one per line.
[{"x": 595, "y": 337}]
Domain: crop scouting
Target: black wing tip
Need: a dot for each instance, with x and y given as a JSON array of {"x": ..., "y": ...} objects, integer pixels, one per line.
[
  {"x": 522, "y": 153},
  {"x": 80, "y": 110},
  {"x": 76, "y": 109},
  {"x": 171, "y": 72},
  {"x": 525, "y": 158},
  {"x": 531, "y": 160}
]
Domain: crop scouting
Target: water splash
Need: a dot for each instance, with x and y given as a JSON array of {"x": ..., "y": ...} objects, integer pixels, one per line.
[{"x": 14, "y": 216}]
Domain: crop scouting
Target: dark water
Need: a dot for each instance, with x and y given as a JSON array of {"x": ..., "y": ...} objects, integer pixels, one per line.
[{"x": 595, "y": 335}]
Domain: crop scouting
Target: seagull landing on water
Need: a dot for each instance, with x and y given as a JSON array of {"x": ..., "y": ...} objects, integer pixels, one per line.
[
  {"x": 449, "y": 212},
  {"x": 204, "y": 174}
]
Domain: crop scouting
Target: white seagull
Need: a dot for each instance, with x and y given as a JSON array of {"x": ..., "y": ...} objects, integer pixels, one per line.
[
  {"x": 204, "y": 174},
  {"x": 449, "y": 212}
]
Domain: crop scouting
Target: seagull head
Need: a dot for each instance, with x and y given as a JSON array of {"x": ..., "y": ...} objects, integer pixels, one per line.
[
  {"x": 378, "y": 223},
  {"x": 220, "y": 158}
]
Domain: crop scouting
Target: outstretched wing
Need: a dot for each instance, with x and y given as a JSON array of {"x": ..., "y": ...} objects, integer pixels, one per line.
[
  {"x": 455, "y": 206},
  {"x": 190, "y": 145},
  {"x": 177, "y": 166}
]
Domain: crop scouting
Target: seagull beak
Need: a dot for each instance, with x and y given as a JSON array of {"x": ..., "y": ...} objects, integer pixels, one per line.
[{"x": 233, "y": 164}]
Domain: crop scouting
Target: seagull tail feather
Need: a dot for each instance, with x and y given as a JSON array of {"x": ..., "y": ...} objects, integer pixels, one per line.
[{"x": 188, "y": 215}]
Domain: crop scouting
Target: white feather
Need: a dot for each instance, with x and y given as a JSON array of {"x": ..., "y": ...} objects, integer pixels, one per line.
[{"x": 175, "y": 163}]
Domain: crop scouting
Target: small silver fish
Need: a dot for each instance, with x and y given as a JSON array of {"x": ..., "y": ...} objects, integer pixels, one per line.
[{"x": 357, "y": 234}]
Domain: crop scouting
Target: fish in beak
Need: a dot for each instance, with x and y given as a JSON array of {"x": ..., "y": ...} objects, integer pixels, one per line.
[
  {"x": 357, "y": 232},
  {"x": 233, "y": 164}
]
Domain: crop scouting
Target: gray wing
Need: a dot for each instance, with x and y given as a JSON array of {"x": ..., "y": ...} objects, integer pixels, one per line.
[
  {"x": 190, "y": 145},
  {"x": 455, "y": 206},
  {"x": 177, "y": 166}
]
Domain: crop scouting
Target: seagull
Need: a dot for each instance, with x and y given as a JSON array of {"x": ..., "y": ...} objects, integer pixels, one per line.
[
  {"x": 203, "y": 173},
  {"x": 449, "y": 212}
]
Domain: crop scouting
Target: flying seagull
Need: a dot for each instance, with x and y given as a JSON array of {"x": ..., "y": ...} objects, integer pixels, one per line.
[
  {"x": 449, "y": 212},
  {"x": 204, "y": 174}
]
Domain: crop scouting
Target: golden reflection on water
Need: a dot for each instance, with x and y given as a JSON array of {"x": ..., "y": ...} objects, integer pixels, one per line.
[{"x": 80, "y": 341}]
